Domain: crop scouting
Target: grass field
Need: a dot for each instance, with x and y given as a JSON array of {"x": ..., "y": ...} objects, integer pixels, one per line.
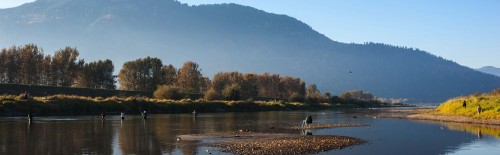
[{"x": 490, "y": 105}]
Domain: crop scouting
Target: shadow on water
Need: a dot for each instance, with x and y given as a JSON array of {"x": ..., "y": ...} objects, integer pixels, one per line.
[{"x": 158, "y": 134}]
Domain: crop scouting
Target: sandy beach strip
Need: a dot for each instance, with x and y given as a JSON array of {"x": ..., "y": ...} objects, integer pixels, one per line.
[
  {"x": 432, "y": 115},
  {"x": 322, "y": 126}
]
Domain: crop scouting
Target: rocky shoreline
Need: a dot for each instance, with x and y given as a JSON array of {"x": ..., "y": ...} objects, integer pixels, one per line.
[
  {"x": 287, "y": 145},
  {"x": 249, "y": 142}
]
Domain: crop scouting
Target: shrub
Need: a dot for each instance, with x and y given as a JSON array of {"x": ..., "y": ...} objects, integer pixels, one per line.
[
  {"x": 312, "y": 99},
  {"x": 231, "y": 93},
  {"x": 168, "y": 92},
  {"x": 296, "y": 97},
  {"x": 335, "y": 99},
  {"x": 357, "y": 95},
  {"x": 211, "y": 95}
]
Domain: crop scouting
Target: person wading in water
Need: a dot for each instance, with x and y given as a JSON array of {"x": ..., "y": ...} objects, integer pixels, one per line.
[
  {"x": 194, "y": 113},
  {"x": 103, "y": 115},
  {"x": 144, "y": 115},
  {"x": 307, "y": 121},
  {"x": 30, "y": 116}
]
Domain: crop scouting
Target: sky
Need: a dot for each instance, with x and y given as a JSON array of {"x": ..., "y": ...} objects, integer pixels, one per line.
[{"x": 464, "y": 31}]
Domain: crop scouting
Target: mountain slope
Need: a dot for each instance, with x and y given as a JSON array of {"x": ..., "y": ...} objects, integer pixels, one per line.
[
  {"x": 490, "y": 70},
  {"x": 230, "y": 37}
]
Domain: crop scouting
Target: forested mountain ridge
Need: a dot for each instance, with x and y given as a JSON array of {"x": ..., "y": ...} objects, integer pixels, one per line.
[
  {"x": 490, "y": 70},
  {"x": 230, "y": 37}
]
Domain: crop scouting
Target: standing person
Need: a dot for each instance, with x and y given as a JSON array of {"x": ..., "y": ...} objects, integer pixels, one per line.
[
  {"x": 122, "y": 115},
  {"x": 25, "y": 95},
  {"x": 195, "y": 114},
  {"x": 103, "y": 115},
  {"x": 307, "y": 121},
  {"x": 464, "y": 104},
  {"x": 144, "y": 115},
  {"x": 30, "y": 116},
  {"x": 479, "y": 109}
]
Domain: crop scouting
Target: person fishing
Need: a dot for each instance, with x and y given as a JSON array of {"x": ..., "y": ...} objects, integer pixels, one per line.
[
  {"x": 144, "y": 115},
  {"x": 307, "y": 121},
  {"x": 30, "y": 116},
  {"x": 103, "y": 115},
  {"x": 195, "y": 114}
]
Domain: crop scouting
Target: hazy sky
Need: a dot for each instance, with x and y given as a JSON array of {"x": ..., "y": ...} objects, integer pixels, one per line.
[
  {"x": 12, "y": 3},
  {"x": 465, "y": 31}
]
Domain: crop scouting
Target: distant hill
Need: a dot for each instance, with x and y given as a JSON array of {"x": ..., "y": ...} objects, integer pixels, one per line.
[
  {"x": 230, "y": 37},
  {"x": 490, "y": 70}
]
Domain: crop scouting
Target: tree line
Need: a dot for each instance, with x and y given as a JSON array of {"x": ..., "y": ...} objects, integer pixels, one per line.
[
  {"x": 149, "y": 74},
  {"x": 235, "y": 85},
  {"x": 146, "y": 74},
  {"x": 29, "y": 65}
]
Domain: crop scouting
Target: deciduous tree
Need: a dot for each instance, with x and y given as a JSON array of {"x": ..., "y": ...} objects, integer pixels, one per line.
[
  {"x": 189, "y": 78},
  {"x": 141, "y": 74}
]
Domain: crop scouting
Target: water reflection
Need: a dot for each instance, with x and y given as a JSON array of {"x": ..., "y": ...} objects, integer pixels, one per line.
[
  {"x": 158, "y": 134},
  {"x": 477, "y": 129},
  {"x": 306, "y": 132},
  {"x": 479, "y": 135},
  {"x": 55, "y": 138}
]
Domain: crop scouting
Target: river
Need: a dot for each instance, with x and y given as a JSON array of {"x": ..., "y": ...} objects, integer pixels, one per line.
[{"x": 158, "y": 134}]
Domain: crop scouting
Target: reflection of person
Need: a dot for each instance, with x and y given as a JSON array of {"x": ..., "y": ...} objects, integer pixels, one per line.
[
  {"x": 479, "y": 109},
  {"x": 464, "y": 104},
  {"x": 479, "y": 134},
  {"x": 307, "y": 132}
]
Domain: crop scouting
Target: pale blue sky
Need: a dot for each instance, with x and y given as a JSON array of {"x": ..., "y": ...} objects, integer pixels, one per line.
[{"x": 465, "y": 31}]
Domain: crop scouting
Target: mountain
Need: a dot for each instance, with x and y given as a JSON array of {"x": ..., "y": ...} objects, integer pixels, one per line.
[
  {"x": 231, "y": 37},
  {"x": 490, "y": 70}
]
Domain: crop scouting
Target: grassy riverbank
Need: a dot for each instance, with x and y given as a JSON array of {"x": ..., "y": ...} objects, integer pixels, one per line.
[
  {"x": 11, "y": 105},
  {"x": 453, "y": 111},
  {"x": 490, "y": 105}
]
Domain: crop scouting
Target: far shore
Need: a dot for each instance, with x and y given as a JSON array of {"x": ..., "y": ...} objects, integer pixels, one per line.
[
  {"x": 433, "y": 115},
  {"x": 68, "y": 105}
]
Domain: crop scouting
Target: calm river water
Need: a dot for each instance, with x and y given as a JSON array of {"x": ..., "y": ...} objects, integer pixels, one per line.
[{"x": 157, "y": 135}]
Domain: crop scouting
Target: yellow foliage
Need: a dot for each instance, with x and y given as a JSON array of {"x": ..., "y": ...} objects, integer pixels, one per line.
[{"x": 490, "y": 105}]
